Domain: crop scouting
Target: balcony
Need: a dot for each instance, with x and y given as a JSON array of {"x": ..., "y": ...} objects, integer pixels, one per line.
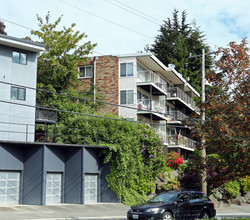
[
  {"x": 180, "y": 141},
  {"x": 176, "y": 116},
  {"x": 147, "y": 78},
  {"x": 146, "y": 107},
  {"x": 176, "y": 93},
  {"x": 46, "y": 116}
]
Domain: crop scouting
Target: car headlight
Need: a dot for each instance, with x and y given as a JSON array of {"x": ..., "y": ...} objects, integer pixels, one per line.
[
  {"x": 130, "y": 210},
  {"x": 155, "y": 210}
]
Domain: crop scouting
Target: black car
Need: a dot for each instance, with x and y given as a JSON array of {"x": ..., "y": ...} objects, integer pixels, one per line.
[{"x": 174, "y": 205}]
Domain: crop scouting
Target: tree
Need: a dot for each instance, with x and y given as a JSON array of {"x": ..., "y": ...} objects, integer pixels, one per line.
[
  {"x": 227, "y": 109},
  {"x": 58, "y": 64},
  {"x": 177, "y": 39},
  {"x": 2, "y": 27}
]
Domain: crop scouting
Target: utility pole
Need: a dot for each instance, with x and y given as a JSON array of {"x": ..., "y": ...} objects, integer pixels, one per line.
[{"x": 203, "y": 140}]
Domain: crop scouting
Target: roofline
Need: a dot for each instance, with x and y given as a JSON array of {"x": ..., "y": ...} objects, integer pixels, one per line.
[
  {"x": 176, "y": 73},
  {"x": 153, "y": 57},
  {"x": 21, "y": 43},
  {"x": 51, "y": 144}
]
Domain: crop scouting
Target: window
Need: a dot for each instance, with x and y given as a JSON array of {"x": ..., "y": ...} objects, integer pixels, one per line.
[
  {"x": 53, "y": 188},
  {"x": 18, "y": 57},
  {"x": 18, "y": 93},
  {"x": 9, "y": 187},
  {"x": 85, "y": 71},
  {"x": 127, "y": 97},
  {"x": 90, "y": 188},
  {"x": 126, "y": 69}
]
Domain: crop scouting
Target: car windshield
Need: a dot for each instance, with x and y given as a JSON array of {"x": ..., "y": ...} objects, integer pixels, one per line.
[{"x": 165, "y": 198}]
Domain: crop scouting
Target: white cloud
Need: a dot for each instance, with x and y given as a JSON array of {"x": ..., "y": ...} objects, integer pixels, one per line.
[{"x": 221, "y": 21}]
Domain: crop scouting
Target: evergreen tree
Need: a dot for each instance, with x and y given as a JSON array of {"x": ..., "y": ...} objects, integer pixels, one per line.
[{"x": 177, "y": 39}]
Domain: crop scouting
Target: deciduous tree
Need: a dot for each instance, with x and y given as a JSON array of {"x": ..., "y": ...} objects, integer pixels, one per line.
[{"x": 226, "y": 128}]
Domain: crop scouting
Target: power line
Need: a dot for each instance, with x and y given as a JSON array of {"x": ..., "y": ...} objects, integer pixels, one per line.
[
  {"x": 131, "y": 11},
  {"x": 105, "y": 19},
  {"x": 137, "y": 11},
  {"x": 80, "y": 98},
  {"x": 16, "y": 24},
  {"x": 65, "y": 111}
]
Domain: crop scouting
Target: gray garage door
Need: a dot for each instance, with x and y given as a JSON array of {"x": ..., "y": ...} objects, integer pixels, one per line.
[
  {"x": 9, "y": 188},
  {"x": 90, "y": 188},
  {"x": 53, "y": 188}
]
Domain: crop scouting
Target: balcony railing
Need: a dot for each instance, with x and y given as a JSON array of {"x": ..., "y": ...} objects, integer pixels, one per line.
[
  {"x": 44, "y": 115},
  {"x": 147, "y": 105},
  {"x": 173, "y": 140},
  {"x": 176, "y": 116},
  {"x": 178, "y": 93},
  {"x": 148, "y": 76}
]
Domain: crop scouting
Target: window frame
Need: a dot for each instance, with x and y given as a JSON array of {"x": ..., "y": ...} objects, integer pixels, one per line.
[
  {"x": 126, "y": 69},
  {"x": 85, "y": 72},
  {"x": 18, "y": 93},
  {"x": 127, "y": 92},
  {"x": 19, "y": 57}
]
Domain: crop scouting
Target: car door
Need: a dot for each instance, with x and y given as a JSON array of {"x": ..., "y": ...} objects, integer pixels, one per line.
[
  {"x": 196, "y": 204},
  {"x": 183, "y": 204}
]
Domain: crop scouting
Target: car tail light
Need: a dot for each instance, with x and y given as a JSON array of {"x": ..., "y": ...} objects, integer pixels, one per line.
[{"x": 212, "y": 204}]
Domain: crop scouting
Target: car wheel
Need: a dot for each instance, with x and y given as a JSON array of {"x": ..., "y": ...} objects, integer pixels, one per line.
[
  {"x": 167, "y": 216},
  {"x": 205, "y": 215}
]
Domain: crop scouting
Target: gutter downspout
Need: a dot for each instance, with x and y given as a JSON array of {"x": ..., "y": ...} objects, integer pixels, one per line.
[{"x": 94, "y": 79}]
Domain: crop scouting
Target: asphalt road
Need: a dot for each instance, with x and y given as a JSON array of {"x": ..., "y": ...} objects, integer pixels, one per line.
[{"x": 111, "y": 211}]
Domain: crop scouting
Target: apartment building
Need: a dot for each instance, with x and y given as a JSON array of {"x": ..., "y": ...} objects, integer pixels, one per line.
[
  {"x": 18, "y": 73},
  {"x": 142, "y": 88}
]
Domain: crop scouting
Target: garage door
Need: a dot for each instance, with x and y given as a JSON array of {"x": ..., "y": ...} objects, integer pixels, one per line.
[
  {"x": 53, "y": 188},
  {"x": 90, "y": 188},
  {"x": 9, "y": 188}
]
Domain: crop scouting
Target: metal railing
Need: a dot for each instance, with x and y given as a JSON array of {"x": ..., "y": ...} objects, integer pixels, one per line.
[
  {"x": 46, "y": 115},
  {"x": 148, "y": 76},
  {"x": 178, "y": 93},
  {"x": 173, "y": 140},
  {"x": 176, "y": 116},
  {"x": 150, "y": 105}
]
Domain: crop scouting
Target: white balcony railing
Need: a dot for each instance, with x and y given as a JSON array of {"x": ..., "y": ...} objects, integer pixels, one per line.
[
  {"x": 173, "y": 140},
  {"x": 176, "y": 116},
  {"x": 148, "y": 76},
  {"x": 178, "y": 93},
  {"x": 147, "y": 105}
]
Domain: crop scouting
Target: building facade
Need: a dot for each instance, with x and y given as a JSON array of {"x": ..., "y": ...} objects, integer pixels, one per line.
[
  {"x": 141, "y": 88},
  {"x": 18, "y": 73},
  {"x": 40, "y": 173},
  {"x": 46, "y": 173}
]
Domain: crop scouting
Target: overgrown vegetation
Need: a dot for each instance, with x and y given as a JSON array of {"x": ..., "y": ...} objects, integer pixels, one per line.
[{"x": 135, "y": 151}]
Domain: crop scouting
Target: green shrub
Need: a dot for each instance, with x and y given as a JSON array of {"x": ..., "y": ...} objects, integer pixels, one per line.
[
  {"x": 172, "y": 184},
  {"x": 232, "y": 189}
]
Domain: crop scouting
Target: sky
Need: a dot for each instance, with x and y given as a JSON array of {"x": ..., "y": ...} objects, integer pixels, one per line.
[{"x": 126, "y": 26}]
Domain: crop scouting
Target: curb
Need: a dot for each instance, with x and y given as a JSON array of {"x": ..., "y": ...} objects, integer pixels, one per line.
[{"x": 81, "y": 218}]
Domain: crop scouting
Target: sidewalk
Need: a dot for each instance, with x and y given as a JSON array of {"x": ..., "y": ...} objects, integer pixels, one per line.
[
  {"x": 64, "y": 212},
  {"x": 91, "y": 211},
  {"x": 232, "y": 210}
]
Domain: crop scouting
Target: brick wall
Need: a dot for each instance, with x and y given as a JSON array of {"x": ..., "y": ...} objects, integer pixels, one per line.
[{"x": 107, "y": 82}]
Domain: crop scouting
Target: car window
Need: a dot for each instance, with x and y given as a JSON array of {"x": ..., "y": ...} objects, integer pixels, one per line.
[
  {"x": 166, "y": 198},
  {"x": 184, "y": 196},
  {"x": 197, "y": 197}
]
